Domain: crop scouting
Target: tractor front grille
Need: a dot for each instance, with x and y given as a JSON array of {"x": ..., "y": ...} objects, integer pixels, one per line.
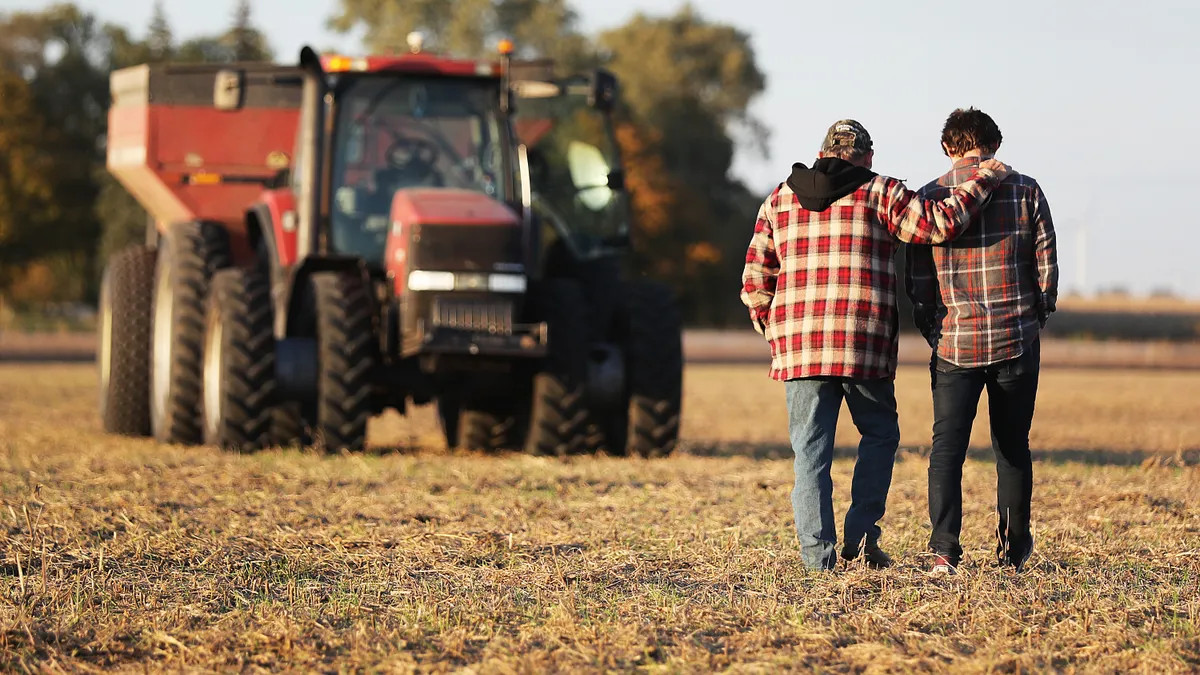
[
  {"x": 465, "y": 248},
  {"x": 484, "y": 315}
]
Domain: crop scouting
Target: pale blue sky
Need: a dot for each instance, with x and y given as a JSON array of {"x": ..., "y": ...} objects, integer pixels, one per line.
[{"x": 1097, "y": 100}]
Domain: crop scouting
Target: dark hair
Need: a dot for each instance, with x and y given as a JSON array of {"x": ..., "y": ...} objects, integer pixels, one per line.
[{"x": 970, "y": 129}]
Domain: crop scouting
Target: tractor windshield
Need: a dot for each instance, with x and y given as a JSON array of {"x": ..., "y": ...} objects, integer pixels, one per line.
[{"x": 396, "y": 132}]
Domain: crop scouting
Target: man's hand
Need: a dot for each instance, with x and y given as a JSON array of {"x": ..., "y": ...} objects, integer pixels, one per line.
[
  {"x": 759, "y": 325},
  {"x": 998, "y": 168},
  {"x": 926, "y": 320}
]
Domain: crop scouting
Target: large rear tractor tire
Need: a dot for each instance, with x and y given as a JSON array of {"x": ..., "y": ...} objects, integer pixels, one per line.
[
  {"x": 239, "y": 362},
  {"x": 123, "y": 355},
  {"x": 653, "y": 345},
  {"x": 559, "y": 417},
  {"x": 348, "y": 355},
  {"x": 188, "y": 256}
]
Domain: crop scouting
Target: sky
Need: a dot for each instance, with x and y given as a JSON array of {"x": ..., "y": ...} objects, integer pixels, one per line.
[{"x": 1096, "y": 100}]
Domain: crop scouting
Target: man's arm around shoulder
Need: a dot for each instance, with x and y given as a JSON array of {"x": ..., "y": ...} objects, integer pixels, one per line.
[{"x": 914, "y": 220}]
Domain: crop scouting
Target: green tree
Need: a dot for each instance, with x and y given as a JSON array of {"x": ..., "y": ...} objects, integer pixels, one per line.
[
  {"x": 465, "y": 28},
  {"x": 241, "y": 42},
  {"x": 65, "y": 56},
  {"x": 160, "y": 39},
  {"x": 684, "y": 59},
  {"x": 244, "y": 41},
  {"x": 692, "y": 82},
  {"x": 27, "y": 201},
  {"x": 206, "y": 49},
  {"x": 62, "y": 53},
  {"x": 124, "y": 50}
]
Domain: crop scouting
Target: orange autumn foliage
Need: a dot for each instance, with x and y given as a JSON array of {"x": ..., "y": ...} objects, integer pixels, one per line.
[
  {"x": 651, "y": 188},
  {"x": 668, "y": 216}
]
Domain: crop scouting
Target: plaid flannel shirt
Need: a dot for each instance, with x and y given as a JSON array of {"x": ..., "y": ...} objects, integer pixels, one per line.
[
  {"x": 821, "y": 286},
  {"x": 983, "y": 298}
]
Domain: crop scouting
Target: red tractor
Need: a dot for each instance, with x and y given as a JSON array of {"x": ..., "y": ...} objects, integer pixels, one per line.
[{"x": 350, "y": 235}]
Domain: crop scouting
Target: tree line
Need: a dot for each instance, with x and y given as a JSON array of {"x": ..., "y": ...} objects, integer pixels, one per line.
[{"x": 687, "y": 85}]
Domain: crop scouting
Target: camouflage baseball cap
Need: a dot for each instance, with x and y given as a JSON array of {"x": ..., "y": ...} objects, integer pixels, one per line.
[{"x": 848, "y": 134}]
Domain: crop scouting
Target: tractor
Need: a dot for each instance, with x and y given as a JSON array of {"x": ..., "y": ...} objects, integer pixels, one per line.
[{"x": 333, "y": 239}]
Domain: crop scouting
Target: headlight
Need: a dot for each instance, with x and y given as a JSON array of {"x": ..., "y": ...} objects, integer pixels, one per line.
[
  {"x": 506, "y": 283},
  {"x": 425, "y": 280},
  {"x": 422, "y": 280}
]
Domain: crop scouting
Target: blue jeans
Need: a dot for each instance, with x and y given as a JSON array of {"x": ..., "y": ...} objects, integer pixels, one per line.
[{"x": 813, "y": 407}]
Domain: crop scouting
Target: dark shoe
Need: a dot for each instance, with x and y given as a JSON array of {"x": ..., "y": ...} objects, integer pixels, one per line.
[
  {"x": 944, "y": 565},
  {"x": 1017, "y": 559},
  {"x": 874, "y": 556}
]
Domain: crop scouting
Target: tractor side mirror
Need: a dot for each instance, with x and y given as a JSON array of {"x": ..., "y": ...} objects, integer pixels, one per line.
[
  {"x": 603, "y": 95},
  {"x": 228, "y": 89}
]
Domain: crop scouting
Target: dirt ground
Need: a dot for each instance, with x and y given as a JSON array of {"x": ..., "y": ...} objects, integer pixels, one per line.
[{"x": 119, "y": 554}]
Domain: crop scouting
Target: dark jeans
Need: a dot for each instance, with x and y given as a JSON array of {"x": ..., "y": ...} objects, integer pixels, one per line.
[{"x": 1012, "y": 390}]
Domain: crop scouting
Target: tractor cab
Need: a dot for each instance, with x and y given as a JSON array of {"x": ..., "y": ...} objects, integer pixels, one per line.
[
  {"x": 396, "y": 130},
  {"x": 390, "y": 135}
]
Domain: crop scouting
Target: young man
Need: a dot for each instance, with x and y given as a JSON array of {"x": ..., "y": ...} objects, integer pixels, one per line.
[
  {"x": 820, "y": 284},
  {"x": 981, "y": 302}
]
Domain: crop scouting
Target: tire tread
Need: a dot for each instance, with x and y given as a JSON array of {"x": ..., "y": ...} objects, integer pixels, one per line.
[
  {"x": 559, "y": 414},
  {"x": 199, "y": 250},
  {"x": 243, "y": 298},
  {"x": 125, "y": 405},
  {"x": 348, "y": 354},
  {"x": 654, "y": 369}
]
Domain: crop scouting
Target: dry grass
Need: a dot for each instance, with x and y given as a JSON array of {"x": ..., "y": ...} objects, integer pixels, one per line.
[{"x": 122, "y": 555}]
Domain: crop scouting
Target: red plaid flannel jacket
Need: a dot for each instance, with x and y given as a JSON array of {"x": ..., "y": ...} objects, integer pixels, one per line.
[
  {"x": 984, "y": 298},
  {"x": 821, "y": 286}
]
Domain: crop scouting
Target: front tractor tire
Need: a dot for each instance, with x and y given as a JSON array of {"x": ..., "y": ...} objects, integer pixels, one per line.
[
  {"x": 559, "y": 414},
  {"x": 481, "y": 423},
  {"x": 653, "y": 346},
  {"x": 288, "y": 427},
  {"x": 123, "y": 358},
  {"x": 188, "y": 256},
  {"x": 239, "y": 363},
  {"x": 348, "y": 356}
]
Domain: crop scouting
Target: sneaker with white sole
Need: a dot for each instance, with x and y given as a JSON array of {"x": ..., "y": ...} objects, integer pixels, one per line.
[{"x": 943, "y": 565}]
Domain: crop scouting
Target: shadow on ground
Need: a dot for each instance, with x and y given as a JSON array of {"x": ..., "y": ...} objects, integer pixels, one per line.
[{"x": 777, "y": 451}]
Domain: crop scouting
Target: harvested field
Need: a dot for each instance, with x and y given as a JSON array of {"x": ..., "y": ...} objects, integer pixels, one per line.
[{"x": 122, "y": 555}]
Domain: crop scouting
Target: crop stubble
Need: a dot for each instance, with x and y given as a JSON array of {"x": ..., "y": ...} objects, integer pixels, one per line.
[{"x": 122, "y": 554}]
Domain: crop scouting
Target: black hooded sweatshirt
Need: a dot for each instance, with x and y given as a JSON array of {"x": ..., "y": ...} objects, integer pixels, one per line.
[{"x": 829, "y": 179}]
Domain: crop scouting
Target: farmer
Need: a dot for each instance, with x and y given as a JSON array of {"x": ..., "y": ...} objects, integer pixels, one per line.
[
  {"x": 981, "y": 303},
  {"x": 820, "y": 285}
]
